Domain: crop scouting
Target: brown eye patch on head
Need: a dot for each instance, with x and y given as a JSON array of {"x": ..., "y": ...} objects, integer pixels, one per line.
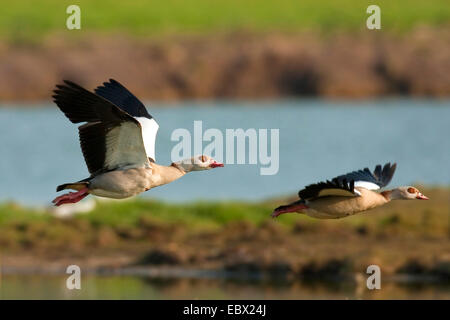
[
  {"x": 412, "y": 190},
  {"x": 203, "y": 158}
]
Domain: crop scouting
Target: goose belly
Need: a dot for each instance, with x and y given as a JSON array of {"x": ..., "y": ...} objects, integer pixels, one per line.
[
  {"x": 335, "y": 207},
  {"x": 322, "y": 215},
  {"x": 121, "y": 184}
]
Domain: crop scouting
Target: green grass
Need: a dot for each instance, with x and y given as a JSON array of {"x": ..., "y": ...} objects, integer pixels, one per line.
[
  {"x": 431, "y": 215},
  {"x": 115, "y": 222},
  {"x": 128, "y": 220},
  {"x": 34, "y": 19},
  {"x": 132, "y": 213}
]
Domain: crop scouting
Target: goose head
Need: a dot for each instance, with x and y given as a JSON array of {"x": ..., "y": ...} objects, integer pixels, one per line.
[
  {"x": 408, "y": 193},
  {"x": 198, "y": 163}
]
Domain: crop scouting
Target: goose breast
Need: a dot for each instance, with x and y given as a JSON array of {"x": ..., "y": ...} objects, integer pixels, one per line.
[{"x": 120, "y": 184}]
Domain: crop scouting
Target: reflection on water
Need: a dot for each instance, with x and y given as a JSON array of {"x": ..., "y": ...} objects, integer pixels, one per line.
[{"x": 129, "y": 287}]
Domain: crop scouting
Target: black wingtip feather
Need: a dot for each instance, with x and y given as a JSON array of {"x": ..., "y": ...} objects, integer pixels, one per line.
[
  {"x": 75, "y": 102},
  {"x": 61, "y": 187},
  {"x": 123, "y": 98},
  {"x": 388, "y": 172},
  {"x": 93, "y": 145},
  {"x": 312, "y": 191},
  {"x": 70, "y": 83},
  {"x": 381, "y": 176},
  {"x": 377, "y": 172}
]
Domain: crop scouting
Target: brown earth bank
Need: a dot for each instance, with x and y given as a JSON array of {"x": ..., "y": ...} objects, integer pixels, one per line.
[
  {"x": 236, "y": 239},
  {"x": 241, "y": 250},
  {"x": 238, "y": 65}
]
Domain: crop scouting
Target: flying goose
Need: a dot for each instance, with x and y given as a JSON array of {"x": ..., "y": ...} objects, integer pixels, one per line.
[
  {"x": 118, "y": 143},
  {"x": 349, "y": 194}
]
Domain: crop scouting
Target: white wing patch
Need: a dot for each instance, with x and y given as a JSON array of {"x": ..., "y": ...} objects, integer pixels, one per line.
[
  {"x": 124, "y": 147},
  {"x": 149, "y": 130},
  {"x": 367, "y": 185}
]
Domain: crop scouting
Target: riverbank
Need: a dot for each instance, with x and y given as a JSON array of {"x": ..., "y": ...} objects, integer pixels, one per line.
[
  {"x": 239, "y": 239},
  {"x": 234, "y": 65}
]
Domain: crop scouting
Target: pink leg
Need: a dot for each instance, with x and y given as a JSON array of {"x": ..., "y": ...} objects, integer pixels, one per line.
[
  {"x": 71, "y": 197},
  {"x": 289, "y": 208}
]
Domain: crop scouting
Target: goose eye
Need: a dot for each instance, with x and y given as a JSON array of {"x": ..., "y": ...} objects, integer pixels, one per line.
[{"x": 411, "y": 190}]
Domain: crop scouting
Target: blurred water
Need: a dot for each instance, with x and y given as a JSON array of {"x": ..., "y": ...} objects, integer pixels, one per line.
[
  {"x": 318, "y": 140},
  {"x": 133, "y": 287}
]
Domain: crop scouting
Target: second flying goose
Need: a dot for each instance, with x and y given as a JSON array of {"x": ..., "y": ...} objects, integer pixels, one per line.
[
  {"x": 349, "y": 194},
  {"x": 118, "y": 144}
]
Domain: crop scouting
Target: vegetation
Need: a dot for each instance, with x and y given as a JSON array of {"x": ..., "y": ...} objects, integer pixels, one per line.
[
  {"x": 30, "y": 19},
  {"x": 137, "y": 219},
  {"x": 410, "y": 237}
]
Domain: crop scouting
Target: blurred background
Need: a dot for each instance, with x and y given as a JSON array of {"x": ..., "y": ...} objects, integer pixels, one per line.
[{"x": 343, "y": 97}]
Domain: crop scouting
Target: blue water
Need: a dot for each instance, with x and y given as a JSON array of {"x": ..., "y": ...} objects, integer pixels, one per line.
[{"x": 318, "y": 140}]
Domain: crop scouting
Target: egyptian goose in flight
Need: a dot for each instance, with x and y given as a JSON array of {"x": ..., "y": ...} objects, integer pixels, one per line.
[
  {"x": 118, "y": 143},
  {"x": 349, "y": 194}
]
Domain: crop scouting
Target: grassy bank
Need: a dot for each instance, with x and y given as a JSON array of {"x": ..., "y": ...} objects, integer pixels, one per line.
[
  {"x": 403, "y": 236},
  {"x": 28, "y": 19},
  {"x": 409, "y": 217}
]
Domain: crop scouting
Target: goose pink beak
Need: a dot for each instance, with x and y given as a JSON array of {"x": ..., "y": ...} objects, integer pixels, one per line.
[
  {"x": 422, "y": 197},
  {"x": 216, "y": 164}
]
